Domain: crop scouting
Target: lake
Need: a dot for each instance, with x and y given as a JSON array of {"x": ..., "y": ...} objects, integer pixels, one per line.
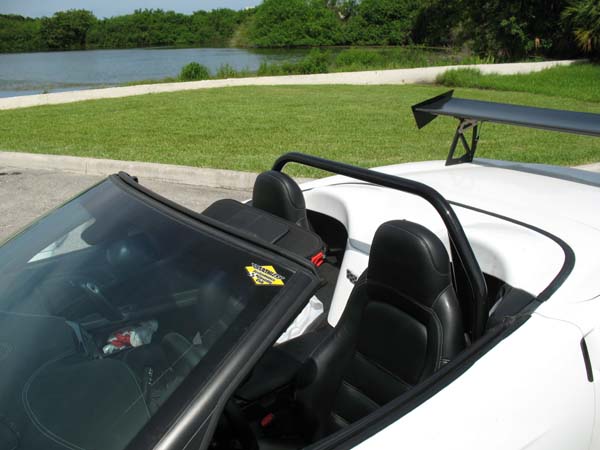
[{"x": 34, "y": 73}]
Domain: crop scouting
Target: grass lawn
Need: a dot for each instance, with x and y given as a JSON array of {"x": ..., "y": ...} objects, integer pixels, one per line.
[
  {"x": 248, "y": 128},
  {"x": 578, "y": 81}
]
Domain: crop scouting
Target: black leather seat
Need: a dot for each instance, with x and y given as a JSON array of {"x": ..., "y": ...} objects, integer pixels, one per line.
[
  {"x": 277, "y": 193},
  {"x": 402, "y": 323}
]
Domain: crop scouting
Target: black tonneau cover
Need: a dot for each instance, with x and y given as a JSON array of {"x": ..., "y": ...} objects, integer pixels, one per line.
[{"x": 474, "y": 112}]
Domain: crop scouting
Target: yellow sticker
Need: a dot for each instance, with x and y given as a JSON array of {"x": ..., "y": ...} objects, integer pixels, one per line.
[{"x": 264, "y": 275}]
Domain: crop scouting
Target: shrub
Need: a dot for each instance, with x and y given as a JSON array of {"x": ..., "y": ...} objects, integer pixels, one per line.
[
  {"x": 194, "y": 72},
  {"x": 316, "y": 61},
  {"x": 227, "y": 71},
  {"x": 355, "y": 57},
  {"x": 460, "y": 78}
]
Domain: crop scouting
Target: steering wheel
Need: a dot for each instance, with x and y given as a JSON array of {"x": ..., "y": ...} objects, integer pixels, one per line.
[{"x": 107, "y": 309}]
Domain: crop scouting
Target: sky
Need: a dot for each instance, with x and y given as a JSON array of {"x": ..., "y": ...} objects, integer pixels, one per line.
[{"x": 108, "y": 8}]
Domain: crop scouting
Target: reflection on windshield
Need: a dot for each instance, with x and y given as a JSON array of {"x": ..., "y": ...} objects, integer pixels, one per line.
[{"x": 106, "y": 306}]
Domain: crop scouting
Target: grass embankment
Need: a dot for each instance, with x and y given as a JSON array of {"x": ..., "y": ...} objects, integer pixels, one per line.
[
  {"x": 248, "y": 128},
  {"x": 579, "y": 81}
]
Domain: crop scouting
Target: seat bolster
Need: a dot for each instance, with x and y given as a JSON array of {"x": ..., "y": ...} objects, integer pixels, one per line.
[
  {"x": 447, "y": 310},
  {"x": 321, "y": 376}
]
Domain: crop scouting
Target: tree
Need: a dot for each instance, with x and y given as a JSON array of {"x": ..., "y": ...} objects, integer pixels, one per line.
[
  {"x": 289, "y": 23},
  {"x": 66, "y": 30},
  {"x": 383, "y": 22},
  {"x": 439, "y": 23},
  {"x": 514, "y": 29},
  {"x": 583, "y": 17},
  {"x": 20, "y": 34}
]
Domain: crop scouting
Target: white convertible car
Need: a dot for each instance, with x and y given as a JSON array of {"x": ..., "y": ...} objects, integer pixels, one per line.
[{"x": 432, "y": 305}]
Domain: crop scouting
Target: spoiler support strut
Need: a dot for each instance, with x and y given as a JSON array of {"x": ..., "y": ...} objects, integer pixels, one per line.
[{"x": 470, "y": 149}]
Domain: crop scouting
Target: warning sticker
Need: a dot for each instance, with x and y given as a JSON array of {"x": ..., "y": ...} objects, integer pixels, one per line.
[{"x": 264, "y": 275}]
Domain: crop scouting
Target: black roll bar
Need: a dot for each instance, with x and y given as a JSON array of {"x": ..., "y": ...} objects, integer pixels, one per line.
[{"x": 475, "y": 288}]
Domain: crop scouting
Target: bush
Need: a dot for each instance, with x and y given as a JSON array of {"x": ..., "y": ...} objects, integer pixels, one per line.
[
  {"x": 227, "y": 71},
  {"x": 360, "y": 58},
  {"x": 315, "y": 62},
  {"x": 460, "y": 78},
  {"x": 194, "y": 72}
]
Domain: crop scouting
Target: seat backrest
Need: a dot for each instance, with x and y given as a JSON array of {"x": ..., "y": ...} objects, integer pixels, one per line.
[
  {"x": 402, "y": 323},
  {"x": 277, "y": 193}
]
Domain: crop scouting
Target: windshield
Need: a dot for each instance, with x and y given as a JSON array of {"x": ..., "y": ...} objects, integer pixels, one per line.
[{"x": 106, "y": 306}]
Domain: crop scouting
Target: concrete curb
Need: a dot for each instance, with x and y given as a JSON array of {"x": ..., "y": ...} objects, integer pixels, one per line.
[
  {"x": 594, "y": 167},
  {"x": 193, "y": 176},
  {"x": 379, "y": 77}
]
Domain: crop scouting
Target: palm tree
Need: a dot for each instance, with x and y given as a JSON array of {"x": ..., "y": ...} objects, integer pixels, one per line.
[{"x": 584, "y": 18}]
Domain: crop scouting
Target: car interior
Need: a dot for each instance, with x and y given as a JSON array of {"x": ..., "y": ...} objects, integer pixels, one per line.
[{"x": 403, "y": 321}]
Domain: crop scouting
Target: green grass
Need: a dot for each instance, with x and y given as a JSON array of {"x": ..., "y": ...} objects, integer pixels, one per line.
[
  {"x": 578, "y": 81},
  {"x": 248, "y": 128}
]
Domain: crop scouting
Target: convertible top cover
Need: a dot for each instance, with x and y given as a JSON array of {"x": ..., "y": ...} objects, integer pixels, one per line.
[{"x": 472, "y": 113}]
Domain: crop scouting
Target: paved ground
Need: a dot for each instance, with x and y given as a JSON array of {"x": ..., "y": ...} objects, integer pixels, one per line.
[{"x": 27, "y": 194}]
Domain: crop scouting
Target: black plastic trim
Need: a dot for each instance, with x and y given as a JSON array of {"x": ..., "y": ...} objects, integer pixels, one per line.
[{"x": 587, "y": 361}]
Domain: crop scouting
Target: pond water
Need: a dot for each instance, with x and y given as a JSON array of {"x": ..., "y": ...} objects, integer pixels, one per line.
[{"x": 34, "y": 73}]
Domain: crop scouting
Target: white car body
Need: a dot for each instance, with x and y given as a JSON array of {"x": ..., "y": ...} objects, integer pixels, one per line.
[{"x": 531, "y": 390}]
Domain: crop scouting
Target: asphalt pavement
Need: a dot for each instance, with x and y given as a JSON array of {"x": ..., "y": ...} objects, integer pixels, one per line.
[{"x": 27, "y": 194}]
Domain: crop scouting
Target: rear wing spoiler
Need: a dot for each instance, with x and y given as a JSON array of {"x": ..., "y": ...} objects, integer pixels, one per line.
[{"x": 472, "y": 113}]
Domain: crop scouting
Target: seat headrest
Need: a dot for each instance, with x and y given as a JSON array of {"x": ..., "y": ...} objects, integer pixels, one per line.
[
  {"x": 410, "y": 259},
  {"x": 277, "y": 193}
]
